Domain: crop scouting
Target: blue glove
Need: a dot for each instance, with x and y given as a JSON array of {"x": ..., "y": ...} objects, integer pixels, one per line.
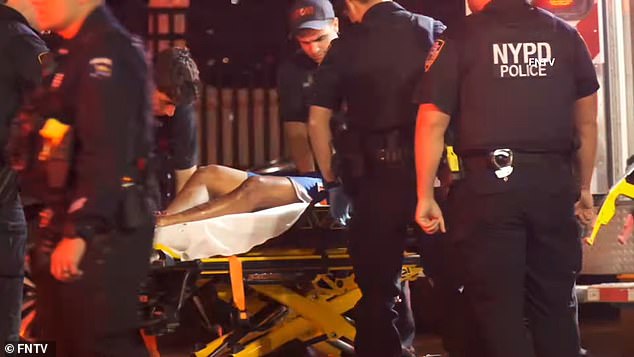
[{"x": 340, "y": 205}]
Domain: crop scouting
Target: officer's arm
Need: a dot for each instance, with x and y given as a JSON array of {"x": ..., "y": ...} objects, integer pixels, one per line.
[
  {"x": 112, "y": 99},
  {"x": 437, "y": 94},
  {"x": 321, "y": 139},
  {"x": 326, "y": 98},
  {"x": 429, "y": 146},
  {"x": 585, "y": 113},
  {"x": 587, "y": 132}
]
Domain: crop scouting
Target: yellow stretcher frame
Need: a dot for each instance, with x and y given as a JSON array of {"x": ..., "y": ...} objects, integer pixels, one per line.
[
  {"x": 316, "y": 316},
  {"x": 623, "y": 187}
]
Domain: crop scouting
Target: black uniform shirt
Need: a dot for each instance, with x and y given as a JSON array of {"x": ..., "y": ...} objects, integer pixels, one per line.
[
  {"x": 178, "y": 137},
  {"x": 375, "y": 66},
  {"x": 295, "y": 82},
  {"x": 104, "y": 95},
  {"x": 509, "y": 77},
  {"x": 20, "y": 69}
]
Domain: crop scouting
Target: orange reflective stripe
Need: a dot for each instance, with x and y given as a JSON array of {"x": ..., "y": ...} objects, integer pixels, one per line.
[{"x": 237, "y": 285}]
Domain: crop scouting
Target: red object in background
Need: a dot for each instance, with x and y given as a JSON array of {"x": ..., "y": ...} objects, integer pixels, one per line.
[
  {"x": 571, "y": 10},
  {"x": 556, "y": 4},
  {"x": 589, "y": 30},
  {"x": 560, "y": 3}
]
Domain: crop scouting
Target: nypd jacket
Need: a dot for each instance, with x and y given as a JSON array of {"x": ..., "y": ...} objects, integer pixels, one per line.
[{"x": 101, "y": 90}]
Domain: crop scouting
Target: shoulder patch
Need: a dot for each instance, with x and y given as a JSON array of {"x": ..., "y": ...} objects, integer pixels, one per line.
[
  {"x": 434, "y": 52},
  {"x": 100, "y": 67}
]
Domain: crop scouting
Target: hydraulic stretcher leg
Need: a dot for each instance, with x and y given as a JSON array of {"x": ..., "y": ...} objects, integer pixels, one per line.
[{"x": 315, "y": 318}]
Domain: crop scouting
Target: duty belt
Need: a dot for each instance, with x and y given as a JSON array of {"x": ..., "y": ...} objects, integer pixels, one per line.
[
  {"x": 393, "y": 147},
  {"x": 502, "y": 161}
]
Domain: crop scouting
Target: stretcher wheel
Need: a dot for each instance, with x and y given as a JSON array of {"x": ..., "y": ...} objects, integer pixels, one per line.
[{"x": 28, "y": 326}]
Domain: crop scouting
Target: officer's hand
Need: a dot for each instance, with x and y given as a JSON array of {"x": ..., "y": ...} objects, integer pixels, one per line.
[
  {"x": 584, "y": 208},
  {"x": 66, "y": 258},
  {"x": 429, "y": 216},
  {"x": 340, "y": 206},
  {"x": 628, "y": 228}
]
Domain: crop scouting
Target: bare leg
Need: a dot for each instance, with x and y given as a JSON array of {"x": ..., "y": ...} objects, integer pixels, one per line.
[
  {"x": 207, "y": 182},
  {"x": 258, "y": 192}
]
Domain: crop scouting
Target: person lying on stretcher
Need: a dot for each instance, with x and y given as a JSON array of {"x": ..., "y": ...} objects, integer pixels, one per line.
[{"x": 216, "y": 190}]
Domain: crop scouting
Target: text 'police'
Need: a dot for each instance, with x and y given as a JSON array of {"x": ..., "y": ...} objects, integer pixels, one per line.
[{"x": 528, "y": 59}]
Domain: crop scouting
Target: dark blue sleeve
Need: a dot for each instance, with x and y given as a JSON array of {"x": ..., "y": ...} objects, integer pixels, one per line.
[
  {"x": 428, "y": 28},
  {"x": 183, "y": 132},
  {"x": 439, "y": 84},
  {"x": 326, "y": 90},
  {"x": 27, "y": 51}
]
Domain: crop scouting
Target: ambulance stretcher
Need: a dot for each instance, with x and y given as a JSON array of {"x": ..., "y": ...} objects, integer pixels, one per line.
[{"x": 297, "y": 287}]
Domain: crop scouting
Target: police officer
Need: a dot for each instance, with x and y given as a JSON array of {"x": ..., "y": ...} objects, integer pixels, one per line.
[
  {"x": 373, "y": 68},
  {"x": 99, "y": 224},
  {"x": 314, "y": 26},
  {"x": 520, "y": 88},
  {"x": 20, "y": 71},
  {"x": 177, "y": 89}
]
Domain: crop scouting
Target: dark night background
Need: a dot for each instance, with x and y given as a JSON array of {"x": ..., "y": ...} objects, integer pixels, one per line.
[{"x": 251, "y": 35}]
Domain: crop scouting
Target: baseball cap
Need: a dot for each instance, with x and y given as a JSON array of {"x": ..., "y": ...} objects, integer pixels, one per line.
[{"x": 311, "y": 14}]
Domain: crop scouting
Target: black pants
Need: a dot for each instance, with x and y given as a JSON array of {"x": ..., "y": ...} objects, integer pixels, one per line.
[
  {"x": 12, "y": 246},
  {"x": 405, "y": 323},
  {"x": 383, "y": 206},
  {"x": 439, "y": 262},
  {"x": 519, "y": 252},
  {"x": 98, "y": 314},
  {"x": 448, "y": 303}
]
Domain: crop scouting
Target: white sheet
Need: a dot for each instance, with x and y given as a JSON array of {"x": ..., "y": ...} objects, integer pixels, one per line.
[{"x": 228, "y": 235}]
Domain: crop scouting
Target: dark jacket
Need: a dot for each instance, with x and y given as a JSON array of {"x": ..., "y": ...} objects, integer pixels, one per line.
[
  {"x": 20, "y": 71},
  {"x": 101, "y": 90}
]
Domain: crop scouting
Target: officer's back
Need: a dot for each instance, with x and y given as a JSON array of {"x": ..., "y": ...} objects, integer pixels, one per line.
[
  {"x": 379, "y": 62},
  {"x": 518, "y": 85},
  {"x": 519, "y": 80}
]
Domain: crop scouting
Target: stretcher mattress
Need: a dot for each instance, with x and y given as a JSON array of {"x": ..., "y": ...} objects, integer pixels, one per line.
[{"x": 228, "y": 235}]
